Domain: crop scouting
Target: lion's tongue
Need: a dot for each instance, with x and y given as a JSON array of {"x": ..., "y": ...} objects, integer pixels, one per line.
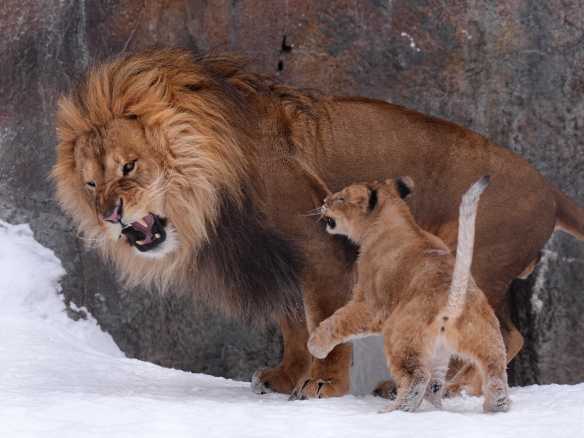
[{"x": 145, "y": 226}]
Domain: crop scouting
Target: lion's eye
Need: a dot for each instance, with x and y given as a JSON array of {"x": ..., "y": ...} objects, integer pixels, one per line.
[
  {"x": 128, "y": 167},
  {"x": 90, "y": 184}
]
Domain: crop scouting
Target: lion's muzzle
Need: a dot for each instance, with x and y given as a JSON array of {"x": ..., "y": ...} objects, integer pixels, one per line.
[{"x": 114, "y": 214}]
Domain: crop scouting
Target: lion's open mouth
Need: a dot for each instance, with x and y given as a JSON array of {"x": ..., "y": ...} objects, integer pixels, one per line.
[{"x": 146, "y": 233}]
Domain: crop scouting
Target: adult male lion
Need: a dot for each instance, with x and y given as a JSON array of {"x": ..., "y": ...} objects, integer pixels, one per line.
[{"x": 192, "y": 173}]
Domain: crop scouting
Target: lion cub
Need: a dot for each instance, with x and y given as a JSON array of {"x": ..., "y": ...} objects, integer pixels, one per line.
[{"x": 412, "y": 290}]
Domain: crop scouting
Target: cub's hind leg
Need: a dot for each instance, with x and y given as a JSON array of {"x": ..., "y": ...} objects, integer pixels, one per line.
[
  {"x": 478, "y": 338},
  {"x": 463, "y": 375}
]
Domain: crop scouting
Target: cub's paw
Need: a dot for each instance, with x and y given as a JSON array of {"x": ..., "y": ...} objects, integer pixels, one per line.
[
  {"x": 319, "y": 388},
  {"x": 435, "y": 392},
  {"x": 267, "y": 380},
  {"x": 318, "y": 346},
  {"x": 389, "y": 408},
  {"x": 500, "y": 404},
  {"x": 497, "y": 396},
  {"x": 403, "y": 406}
]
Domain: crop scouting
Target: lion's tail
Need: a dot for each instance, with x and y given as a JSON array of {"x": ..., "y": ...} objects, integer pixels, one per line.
[
  {"x": 569, "y": 217},
  {"x": 464, "y": 250}
]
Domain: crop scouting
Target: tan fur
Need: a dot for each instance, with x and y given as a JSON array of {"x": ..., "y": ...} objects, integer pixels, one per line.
[
  {"x": 412, "y": 291},
  {"x": 206, "y": 129}
]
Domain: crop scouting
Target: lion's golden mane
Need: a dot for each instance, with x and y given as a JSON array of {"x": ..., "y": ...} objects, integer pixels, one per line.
[{"x": 192, "y": 110}]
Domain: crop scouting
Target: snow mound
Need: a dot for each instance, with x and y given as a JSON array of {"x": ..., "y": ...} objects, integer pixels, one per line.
[
  {"x": 60, "y": 378},
  {"x": 30, "y": 293},
  {"x": 29, "y": 273}
]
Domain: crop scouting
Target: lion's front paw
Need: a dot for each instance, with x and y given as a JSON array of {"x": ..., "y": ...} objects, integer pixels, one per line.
[
  {"x": 268, "y": 380},
  {"x": 319, "y": 388}
]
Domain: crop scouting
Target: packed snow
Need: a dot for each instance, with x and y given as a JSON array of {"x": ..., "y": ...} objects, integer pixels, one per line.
[{"x": 60, "y": 378}]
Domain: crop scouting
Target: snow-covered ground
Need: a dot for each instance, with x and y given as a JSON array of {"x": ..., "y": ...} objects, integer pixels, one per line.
[{"x": 60, "y": 378}]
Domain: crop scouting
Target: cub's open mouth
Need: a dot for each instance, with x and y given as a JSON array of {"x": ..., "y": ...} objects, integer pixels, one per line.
[
  {"x": 146, "y": 233},
  {"x": 330, "y": 222}
]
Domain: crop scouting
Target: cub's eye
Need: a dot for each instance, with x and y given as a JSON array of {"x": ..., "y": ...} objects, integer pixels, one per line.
[
  {"x": 128, "y": 167},
  {"x": 90, "y": 184}
]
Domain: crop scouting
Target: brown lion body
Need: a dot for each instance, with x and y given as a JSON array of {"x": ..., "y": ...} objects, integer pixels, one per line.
[
  {"x": 410, "y": 291},
  {"x": 217, "y": 150}
]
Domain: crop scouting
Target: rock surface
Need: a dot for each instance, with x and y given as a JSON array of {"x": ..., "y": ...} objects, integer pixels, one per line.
[{"x": 509, "y": 70}]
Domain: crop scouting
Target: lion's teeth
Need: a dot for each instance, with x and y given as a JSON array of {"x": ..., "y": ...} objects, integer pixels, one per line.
[
  {"x": 140, "y": 242},
  {"x": 157, "y": 236},
  {"x": 143, "y": 223}
]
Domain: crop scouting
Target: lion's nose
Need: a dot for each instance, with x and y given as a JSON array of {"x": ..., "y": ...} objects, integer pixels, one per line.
[{"x": 114, "y": 215}]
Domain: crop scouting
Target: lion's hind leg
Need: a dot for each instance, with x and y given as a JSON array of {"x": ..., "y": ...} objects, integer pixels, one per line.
[{"x": 468, "y": 379}]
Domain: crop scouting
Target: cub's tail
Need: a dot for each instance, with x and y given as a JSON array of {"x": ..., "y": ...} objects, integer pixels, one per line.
[
  {"x": 570, "y": 217},
  {"x": 464, "y": 250}
]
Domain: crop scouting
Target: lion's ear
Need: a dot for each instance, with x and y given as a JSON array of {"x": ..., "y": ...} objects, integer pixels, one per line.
[{"x": 404, "y": 186}]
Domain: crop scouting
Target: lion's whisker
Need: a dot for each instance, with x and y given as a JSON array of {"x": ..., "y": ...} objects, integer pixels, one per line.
[{"x": 314, "y": 212}]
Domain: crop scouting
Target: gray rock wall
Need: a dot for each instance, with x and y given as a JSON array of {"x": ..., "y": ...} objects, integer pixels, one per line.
[{"x": 509, "y": 70}]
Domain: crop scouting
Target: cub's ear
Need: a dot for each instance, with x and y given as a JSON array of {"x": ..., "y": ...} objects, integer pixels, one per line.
[
  {"x": 373, "y": 199},
  {"x": 404, "y": 186}
]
